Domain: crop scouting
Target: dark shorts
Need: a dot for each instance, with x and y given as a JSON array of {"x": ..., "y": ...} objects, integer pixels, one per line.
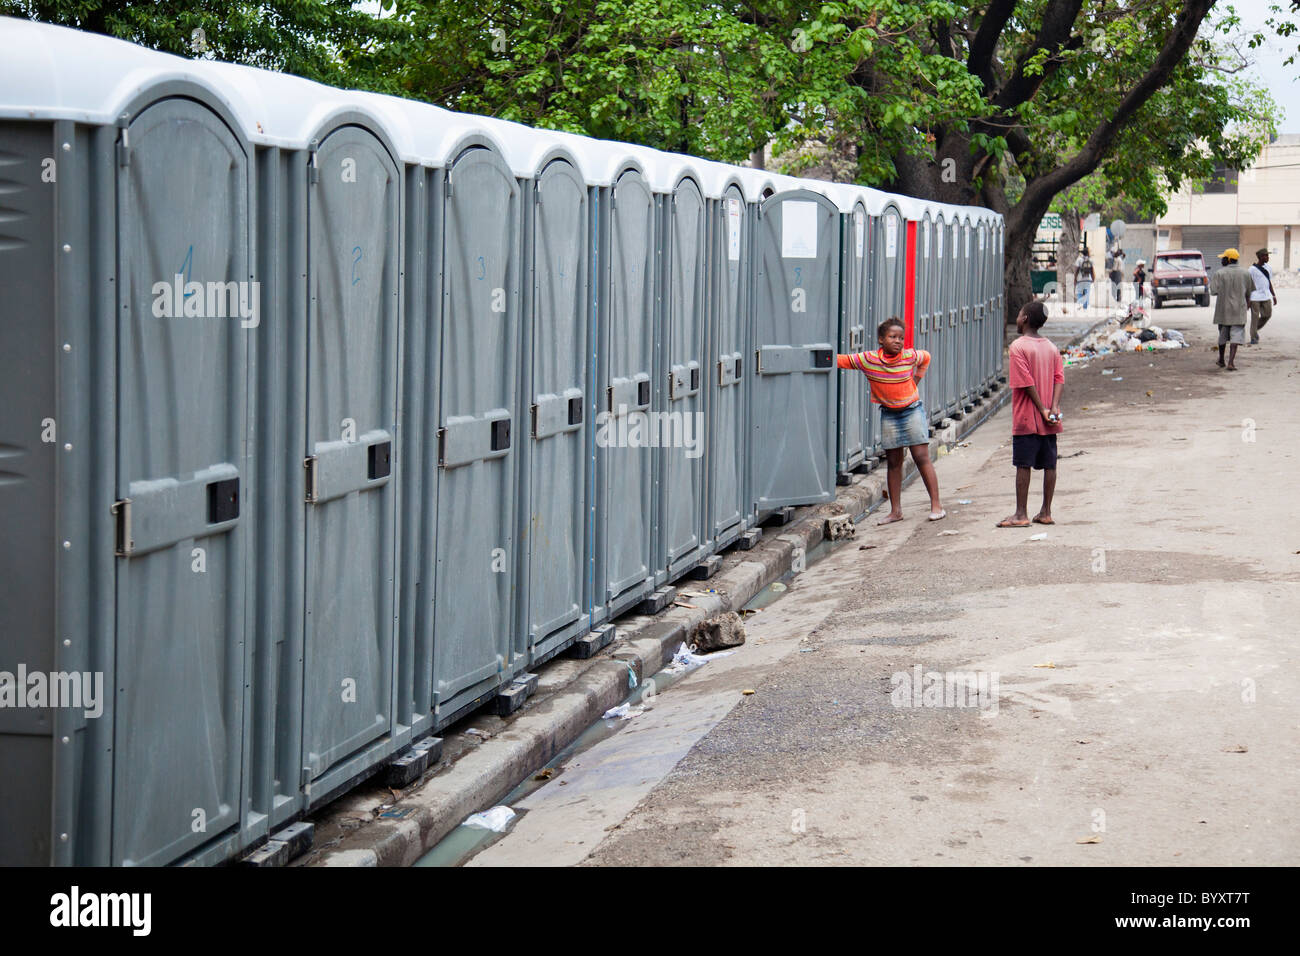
[{"x": 1033, "y": 451}]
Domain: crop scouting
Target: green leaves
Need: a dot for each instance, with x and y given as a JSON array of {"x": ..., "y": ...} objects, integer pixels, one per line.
[{"x": 886, "y": 84}]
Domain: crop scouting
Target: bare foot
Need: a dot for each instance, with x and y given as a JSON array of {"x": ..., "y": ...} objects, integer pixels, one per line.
[
  {"x": 1219, "y": 363},
  {"x": 889, "y": 518},
  {"x": 1013, "y": 522},
  {"x": 1042, "y": 518},
  {"x": 1232, "y": 368}
]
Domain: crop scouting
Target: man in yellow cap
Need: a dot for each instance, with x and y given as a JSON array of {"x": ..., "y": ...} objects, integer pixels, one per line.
[{"x": 1231, "y": 287}]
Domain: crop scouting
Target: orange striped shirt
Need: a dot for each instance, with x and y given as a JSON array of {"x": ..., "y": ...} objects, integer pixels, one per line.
[{"x": 892, "y": 380}]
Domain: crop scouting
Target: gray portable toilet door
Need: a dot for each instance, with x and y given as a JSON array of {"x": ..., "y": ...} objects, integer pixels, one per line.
[
  {"x": 938, "y": 346},
  {"x": 980, "y": 324},
  {"x": 853, "y": 410},
  {"x": 893, "y": 264},
  {"x": 474, "y": 644},
  {"x": 968, "y": 294},
  {"x": 557, "y": 523},
  {"x": 681, "y": 433},
  {"x": 953, "y": 292},
  {"x": 354, "y": 230},
  {"x": 731, "y": 267},
  {"x": 792, "y": 452},
  {"x": 999, "y": 263},
  {"x": 182, "y": 522},
  {"x": 629, "y": 356},
  {"x": 922, "y": 337}
]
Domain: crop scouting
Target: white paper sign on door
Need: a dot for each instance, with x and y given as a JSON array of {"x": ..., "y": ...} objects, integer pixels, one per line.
[
  {"x": 859, "y": 230},
  {"x": 968, "y": 243},
  {"x": 981, "y": 240},
  {"x": 938, "y": 242},
  {"x": 798, "y": 229},
  {"x": 891, "y": 236},
  {"x": 733, "y": 230},
  {"x": 925, "y": 231}
]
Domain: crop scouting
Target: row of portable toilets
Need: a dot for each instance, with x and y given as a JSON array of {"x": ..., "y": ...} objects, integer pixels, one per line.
[{"x": 328, "y": 413}]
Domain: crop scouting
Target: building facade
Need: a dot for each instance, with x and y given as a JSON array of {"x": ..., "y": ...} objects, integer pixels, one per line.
[{"x": 1255, "y": 209}]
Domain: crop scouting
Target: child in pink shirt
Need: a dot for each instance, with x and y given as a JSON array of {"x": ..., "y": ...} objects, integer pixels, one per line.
[{"x": 1037, "y": 380}]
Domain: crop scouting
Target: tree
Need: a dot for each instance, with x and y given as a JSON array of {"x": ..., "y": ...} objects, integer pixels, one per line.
[
  {"x": 1283, "y": 24},
  {"x": 679, "y": 75},
  {"x": 309, "y": 38},
  {"x": 1004, "y": 104},
  {"x": 958, "y": 104}
]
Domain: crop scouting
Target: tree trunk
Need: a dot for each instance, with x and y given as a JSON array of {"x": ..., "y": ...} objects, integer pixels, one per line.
[
  {"x": 1066, "y": 253},
  {"x": 1016, "y": 281}
]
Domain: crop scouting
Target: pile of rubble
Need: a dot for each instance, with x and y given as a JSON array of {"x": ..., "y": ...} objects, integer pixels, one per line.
[{"x": 1130, "y": 332}]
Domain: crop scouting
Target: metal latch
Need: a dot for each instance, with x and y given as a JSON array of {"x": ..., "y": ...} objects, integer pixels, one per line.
[
  {"x": 379, "y": 462},
  {"x": 223, "y": 500}
]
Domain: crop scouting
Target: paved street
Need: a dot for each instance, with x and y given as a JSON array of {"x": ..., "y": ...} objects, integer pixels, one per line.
[{"x": 1144, "y": 653}]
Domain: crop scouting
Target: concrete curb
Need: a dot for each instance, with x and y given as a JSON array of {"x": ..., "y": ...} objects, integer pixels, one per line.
[{"x": 478, "y": 770}]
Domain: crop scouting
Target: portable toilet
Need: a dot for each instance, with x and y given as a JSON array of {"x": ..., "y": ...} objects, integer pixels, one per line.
[{"x": 796, "y": 311}]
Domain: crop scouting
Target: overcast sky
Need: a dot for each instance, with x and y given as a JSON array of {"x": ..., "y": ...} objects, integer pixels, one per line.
[{"x": 1268, "y": 69}]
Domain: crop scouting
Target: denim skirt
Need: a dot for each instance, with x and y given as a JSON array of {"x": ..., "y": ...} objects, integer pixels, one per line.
[{"x": 904, "y": 427}]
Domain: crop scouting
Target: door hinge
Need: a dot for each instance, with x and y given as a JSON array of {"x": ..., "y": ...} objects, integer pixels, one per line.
[
  {"x": 122, "y": 544},
  {"x": 123, "y": 142},
  {"x": 309, "y": 465},
  {"x": 313, "y": 164}
]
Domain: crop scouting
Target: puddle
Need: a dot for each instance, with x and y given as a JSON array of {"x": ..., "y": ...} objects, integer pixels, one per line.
[
  {"x": 464, "y": 843},
  {"x": 781, "y": 586}
]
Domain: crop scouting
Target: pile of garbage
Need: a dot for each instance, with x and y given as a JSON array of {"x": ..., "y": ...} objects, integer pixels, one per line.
[{"x": 1130, "y": 332}]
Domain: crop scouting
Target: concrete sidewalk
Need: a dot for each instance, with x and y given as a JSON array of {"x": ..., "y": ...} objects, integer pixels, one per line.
[
  {"x": 1144, "y": 654},
  {"x": 485, "y": 756}
]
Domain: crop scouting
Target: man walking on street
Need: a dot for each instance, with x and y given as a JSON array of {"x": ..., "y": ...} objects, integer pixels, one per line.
[
  {"x": 1083, "y": 277},
  {"x": 1231, "y": 286},
  {"x": 1261, "y": 308},
  {"x": 1117, "y": 274}
]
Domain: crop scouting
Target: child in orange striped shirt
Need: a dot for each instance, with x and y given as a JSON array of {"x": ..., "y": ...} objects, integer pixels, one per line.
[{"x": 893, "y": 372}]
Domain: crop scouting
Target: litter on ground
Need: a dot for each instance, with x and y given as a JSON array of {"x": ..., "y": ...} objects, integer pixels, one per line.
[
  {"x": 1127, "y": 332},
  {"x": 496, "y": 819},
  {"x": 685, "y": 658},
  {"x": 622, "y": 712}
]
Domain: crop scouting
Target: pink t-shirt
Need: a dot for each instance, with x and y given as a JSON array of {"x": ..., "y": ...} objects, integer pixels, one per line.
[{"x": 1035, "y": 361}]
